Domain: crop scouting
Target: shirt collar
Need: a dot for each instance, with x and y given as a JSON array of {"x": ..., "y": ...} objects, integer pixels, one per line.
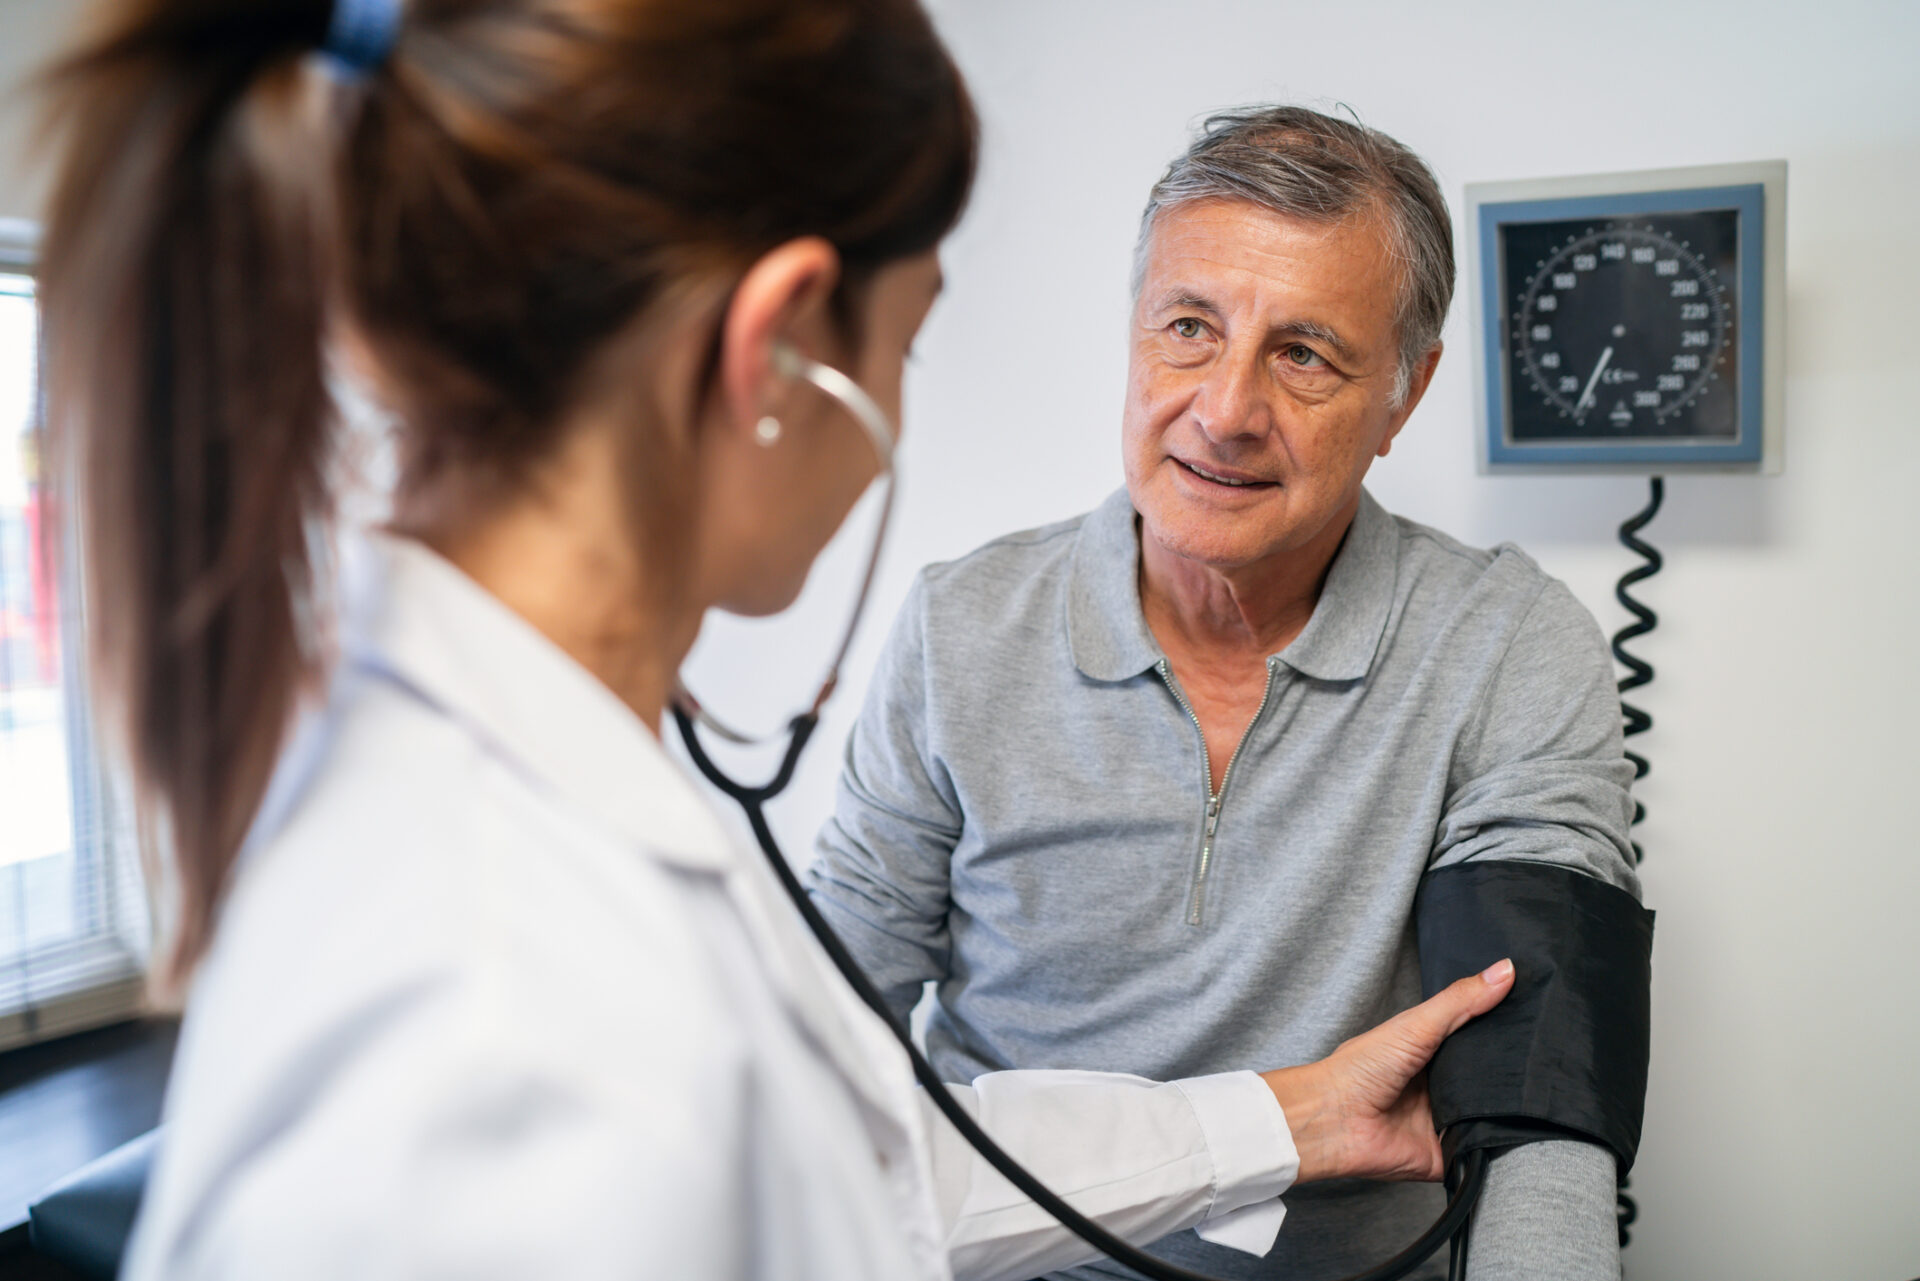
[
  {"x": 412, "y": 616},
  {"x": 1107, "y": 629}
]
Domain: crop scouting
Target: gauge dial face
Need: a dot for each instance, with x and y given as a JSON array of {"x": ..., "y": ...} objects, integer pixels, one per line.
[{"x": 1622, "y": 328}]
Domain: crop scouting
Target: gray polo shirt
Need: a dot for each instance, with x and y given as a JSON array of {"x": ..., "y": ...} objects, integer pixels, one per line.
[{"x": 1026, "y": 818}]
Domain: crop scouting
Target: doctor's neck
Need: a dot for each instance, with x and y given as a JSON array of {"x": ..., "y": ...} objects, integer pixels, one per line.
[{"x": 563, "y": 553}]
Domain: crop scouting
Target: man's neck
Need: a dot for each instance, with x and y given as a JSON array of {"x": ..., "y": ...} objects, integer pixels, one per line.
[{"x": 1245, "y": 611}]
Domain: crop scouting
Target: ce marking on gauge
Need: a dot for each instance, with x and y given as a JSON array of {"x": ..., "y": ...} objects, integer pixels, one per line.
[{"x": 1621, "y": 323}]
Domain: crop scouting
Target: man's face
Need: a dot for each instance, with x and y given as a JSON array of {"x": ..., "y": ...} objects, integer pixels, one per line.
[{"x": 1264, "y": 351}]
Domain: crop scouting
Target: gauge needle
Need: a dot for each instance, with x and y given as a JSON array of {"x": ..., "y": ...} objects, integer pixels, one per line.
[{"x": 1586, "y": 397}]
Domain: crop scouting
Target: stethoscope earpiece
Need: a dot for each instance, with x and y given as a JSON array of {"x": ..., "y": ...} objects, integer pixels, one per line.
[{"x": 789, "y": 363}]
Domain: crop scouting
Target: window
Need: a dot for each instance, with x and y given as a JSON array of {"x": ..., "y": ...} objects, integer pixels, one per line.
[{"x": 72, "y": 913}]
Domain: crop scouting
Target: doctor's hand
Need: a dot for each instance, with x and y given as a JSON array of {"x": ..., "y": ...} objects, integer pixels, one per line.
[{"x": 1362, "y": 1111}]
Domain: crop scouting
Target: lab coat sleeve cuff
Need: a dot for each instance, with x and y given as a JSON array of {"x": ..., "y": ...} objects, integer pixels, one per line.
[{"x": 1254, "y": 1159}]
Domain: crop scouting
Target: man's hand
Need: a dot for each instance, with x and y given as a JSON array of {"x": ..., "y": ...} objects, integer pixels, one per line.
[{"x": 1362, "y": 1111}]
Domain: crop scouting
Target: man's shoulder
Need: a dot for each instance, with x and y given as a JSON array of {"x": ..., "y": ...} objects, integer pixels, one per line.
[
  {"x": 1003, "y": 580},
  {"x": 1434, "y": 562},
  {"x": 1007, "y": 560},
  {"x": 998, "y": 600},
  {"x": 1495, "y": 590}
]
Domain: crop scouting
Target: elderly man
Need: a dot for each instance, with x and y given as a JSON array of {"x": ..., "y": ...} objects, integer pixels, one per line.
[{"x": 1152, "y": 790}]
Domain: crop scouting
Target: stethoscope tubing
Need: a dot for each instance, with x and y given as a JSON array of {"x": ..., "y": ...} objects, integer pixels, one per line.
[
  {"x": 688, "y": 713},
  {"x": 752, "y": 800},
  {"x": 873, "y": 423}
]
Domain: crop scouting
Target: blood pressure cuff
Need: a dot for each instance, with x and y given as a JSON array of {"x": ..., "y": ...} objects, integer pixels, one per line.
[{"x": 1565, "y": 1055}]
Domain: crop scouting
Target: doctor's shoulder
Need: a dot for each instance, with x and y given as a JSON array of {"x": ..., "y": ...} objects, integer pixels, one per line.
[
  {"x": 430, "y": 979},
  {"x": 420, "y": 858}
]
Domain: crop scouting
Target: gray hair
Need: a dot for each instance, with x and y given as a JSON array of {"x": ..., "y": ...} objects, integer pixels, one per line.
[{"x": 1300, "y": 163}]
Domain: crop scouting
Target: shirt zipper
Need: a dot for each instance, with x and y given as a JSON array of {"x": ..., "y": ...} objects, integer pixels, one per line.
[{"x": 1197, "y": 901}]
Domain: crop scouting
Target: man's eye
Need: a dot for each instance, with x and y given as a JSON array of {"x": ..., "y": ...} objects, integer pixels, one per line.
[
  {"x": 1304, "y": 356},
  {"x": 1187, "y": 327}
]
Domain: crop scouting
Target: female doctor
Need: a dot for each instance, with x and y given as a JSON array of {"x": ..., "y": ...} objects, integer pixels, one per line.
[{"x": 475, "y": 984}]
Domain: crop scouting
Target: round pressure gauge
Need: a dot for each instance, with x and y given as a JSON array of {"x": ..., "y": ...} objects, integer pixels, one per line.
[
  {"x": 1622, "y": 328},
  {"x": 1624, "y": 324},
  {"x": 1625, "y": 318}
]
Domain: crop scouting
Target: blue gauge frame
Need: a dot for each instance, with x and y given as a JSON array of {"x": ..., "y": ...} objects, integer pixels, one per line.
[{"x": 1748, "y": 201}]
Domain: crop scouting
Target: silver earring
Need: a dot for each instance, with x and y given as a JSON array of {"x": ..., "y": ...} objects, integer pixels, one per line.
[{"x": 767, "y": 431}]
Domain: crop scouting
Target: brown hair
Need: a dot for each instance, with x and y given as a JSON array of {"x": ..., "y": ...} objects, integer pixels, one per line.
[{"x": 513, "y": 184}]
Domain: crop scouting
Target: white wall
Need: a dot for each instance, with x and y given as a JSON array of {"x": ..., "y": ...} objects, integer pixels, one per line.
[
  {"x": 29, "y": 32},
  {"x": 1782, "y": 1127}
]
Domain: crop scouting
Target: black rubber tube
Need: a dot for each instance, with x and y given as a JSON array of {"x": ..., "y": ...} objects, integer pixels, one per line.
[
  {"x": 1638, "y": 721},
  {"x": 1470, "y": 1172}
]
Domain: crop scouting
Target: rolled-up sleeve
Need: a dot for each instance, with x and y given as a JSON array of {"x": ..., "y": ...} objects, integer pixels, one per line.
[
  {"x": 1141, "y": 1158},
  {"x": 1541, "y": 776}
]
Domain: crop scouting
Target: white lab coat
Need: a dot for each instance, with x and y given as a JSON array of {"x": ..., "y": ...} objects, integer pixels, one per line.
[{"x": 495, "y": 995}]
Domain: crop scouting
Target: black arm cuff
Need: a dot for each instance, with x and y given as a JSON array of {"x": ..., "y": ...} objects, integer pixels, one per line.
[{"x": 1565, "y": 1055}]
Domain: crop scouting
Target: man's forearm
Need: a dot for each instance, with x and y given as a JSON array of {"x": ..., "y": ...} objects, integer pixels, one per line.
[{"x": 1547, "y": 1212}]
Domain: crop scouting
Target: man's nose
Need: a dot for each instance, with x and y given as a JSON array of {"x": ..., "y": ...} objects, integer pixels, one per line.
[{"x": 1231, "y": 401}]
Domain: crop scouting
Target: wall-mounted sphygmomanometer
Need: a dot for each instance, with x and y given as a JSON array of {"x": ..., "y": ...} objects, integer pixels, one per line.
[
  {"x": 1631, "y": 322},
  {"x": 1627, "y": 323}
]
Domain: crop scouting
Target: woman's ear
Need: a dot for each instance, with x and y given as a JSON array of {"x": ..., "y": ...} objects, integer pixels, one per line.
[{"x": 785, "y": 297}]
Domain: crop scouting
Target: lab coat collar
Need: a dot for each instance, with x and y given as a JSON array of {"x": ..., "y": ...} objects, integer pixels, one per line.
[
  {"x": 1107, "y": 628},
  {"x": 412, "y": 616}
]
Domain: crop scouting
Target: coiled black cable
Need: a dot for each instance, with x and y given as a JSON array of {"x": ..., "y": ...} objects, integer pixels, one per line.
[{"x": 1638, "y": 721}]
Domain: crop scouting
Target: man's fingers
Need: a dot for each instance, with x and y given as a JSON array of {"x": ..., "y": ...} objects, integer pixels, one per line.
[{"x": 1449, "y": 1009}]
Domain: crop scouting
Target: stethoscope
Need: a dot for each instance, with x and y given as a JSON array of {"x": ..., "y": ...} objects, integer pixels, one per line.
[{"x": 688, "y": 714}]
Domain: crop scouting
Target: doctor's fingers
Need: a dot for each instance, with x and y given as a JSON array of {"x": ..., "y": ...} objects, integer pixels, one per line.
[{"x": 1411, "y": 1037}]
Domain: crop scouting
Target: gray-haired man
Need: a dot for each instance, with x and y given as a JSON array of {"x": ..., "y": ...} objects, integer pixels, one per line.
[{"x": 1152, "y": 790}]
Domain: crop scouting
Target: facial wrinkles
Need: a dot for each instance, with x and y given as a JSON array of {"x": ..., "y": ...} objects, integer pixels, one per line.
[
  {"x": 1229, "y": 405},
  {"x": 1228, "y": 400},
  {"x": 1260, "y": 285},
  {"x": 1280, "y": 274}
]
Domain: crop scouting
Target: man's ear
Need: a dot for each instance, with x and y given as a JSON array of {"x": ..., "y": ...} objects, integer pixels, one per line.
[
  {"x": 785, "y": 296},
  {"x": 1416, "y": 388}
]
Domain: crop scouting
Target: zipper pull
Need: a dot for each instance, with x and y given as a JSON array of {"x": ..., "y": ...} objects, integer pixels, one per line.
[{"x": 1213, "y": 813}]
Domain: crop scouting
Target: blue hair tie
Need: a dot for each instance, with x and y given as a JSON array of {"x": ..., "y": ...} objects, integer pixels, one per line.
[{"x": 360, "y": 35}]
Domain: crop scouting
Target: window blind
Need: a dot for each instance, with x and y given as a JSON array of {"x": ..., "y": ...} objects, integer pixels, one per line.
[{"x": 73, "y": 917}]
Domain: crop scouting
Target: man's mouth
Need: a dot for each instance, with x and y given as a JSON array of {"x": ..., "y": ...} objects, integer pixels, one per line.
[{"x": 1224, "y": 478}]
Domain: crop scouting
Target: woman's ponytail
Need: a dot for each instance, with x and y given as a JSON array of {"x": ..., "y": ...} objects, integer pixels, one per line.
[
  {"x": 183, "y": 282},
  {"x": 480, "y": 208}
]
